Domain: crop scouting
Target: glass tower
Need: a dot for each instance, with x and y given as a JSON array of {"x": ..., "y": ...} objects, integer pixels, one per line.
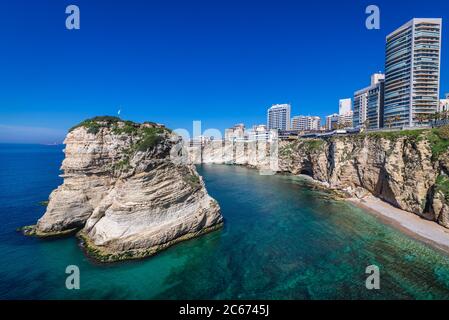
[
  {"x": 369, "y": 104},
  {"x": 412, "y": 73},
  {"x": 278, "y": 117}
]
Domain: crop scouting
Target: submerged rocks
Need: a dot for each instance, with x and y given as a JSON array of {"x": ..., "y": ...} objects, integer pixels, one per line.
[{"x": 126, "y": 191}]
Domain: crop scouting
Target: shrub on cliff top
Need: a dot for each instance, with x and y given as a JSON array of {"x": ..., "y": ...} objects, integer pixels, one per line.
[
  {"x": 438, "y": 138},
  {"x": 192, "y": 180},
  {"x": 150, "y": 138},
  {"x": 94, "y": 124},
  {"x": 313, "y": 145},
  {"x": 443, "y": 132},
  {"x": 442, "y": 185},
  {"x": 128, "y": 127},
  {"x": 439, "y": 141},
  {"x": 392, "y": 135}
]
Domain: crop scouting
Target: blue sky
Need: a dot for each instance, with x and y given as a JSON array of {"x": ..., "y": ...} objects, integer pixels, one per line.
[{"x": 221, "y": 61}]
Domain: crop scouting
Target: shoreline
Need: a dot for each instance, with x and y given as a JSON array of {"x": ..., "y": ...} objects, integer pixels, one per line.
[
  {"x": 426, "y": 231},
  {"x": 409, "y": 223}
]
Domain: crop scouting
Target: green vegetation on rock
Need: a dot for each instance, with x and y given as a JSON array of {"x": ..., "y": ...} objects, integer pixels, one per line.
[
  {"x": 438, "y": 138},
  {"x": 128, "y": 127},
  {"x": 122, "y": 164},
  {"x": 287, "y": 150},
  {"x": 313, "y": 144},
  {"x": 145, "y": 137},
  {"x": 393, "y": 135},
  {"x": 442, "y": 185},
  {"x": 439, "y": 141},
  {"x": 192, "y": 180},
  {"x": 150, "y": 137},
  {"x": 94, "y": 124}
]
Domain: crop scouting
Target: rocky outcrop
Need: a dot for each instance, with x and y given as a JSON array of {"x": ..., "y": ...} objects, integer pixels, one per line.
[
  {"x": 399, "y": 171},
  {"x": 127, "y": 191},
  {"x": 408, "y": 169}
]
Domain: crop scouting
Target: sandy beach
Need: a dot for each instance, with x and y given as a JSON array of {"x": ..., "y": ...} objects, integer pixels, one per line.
[{"x": 411, "y": 224}]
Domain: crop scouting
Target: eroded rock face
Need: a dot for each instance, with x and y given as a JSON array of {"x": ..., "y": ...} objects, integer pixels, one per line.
[
  {"x": 125, "y": 192},
  {"x": 399, "y": 169},
  {"x": 396, "y": 171}
]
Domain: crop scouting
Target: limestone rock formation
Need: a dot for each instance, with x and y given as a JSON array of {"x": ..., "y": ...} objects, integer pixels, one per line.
[
  {"x": 403, "y": 169},
  {"x": 126, "y": 190},
  {"x": 408, "y": 169}
]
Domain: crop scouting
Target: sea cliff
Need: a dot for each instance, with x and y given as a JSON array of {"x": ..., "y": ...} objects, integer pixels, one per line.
[
  {"x": 126, "y": 192},
  {"x": 407, "y": 169}
]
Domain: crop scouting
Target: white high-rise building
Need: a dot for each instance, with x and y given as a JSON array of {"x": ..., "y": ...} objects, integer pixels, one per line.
[
  {"x": 444, "y": 105},
  {"x": 332, "y": 121},
  {"x": 260, "y": 133},
  {"x": 368, "y": 104},
  {"x": 306, "y": 123},
  {"x": 377, "y": 77},
  {"x": 278, "y": 117},
  {"x": 345, "y": 106},
  {"x": 446, "y": 102},
  {"x": 314, "y": 123},
  {"x": 299, "y": 123},
  {"x": 345, "y": 121},
  {"x": 345, "y": 113},
  {"x": 235, "y": 133},
  {"x": 360, "y": 107},
  {"x": 412, "y": 72}
]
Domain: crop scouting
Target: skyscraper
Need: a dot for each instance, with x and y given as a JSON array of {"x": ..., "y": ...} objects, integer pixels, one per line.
[
  {"x": 360, "y": 107},
  {"x": 444, "y": 105},
  {"x": 345, "y": 113},
  {"x": 412, "y": 72},
  {"x": 344, "y": 106},
  {"x": 278, "y": 117},
  {"x": 375, "y": 106},
  {"x": 369, "y": 104}
]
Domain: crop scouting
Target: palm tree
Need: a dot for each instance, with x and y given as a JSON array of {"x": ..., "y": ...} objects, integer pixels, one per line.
[
  {"x": 341, "y": 125},
  {"x": 421, "y": 117},
  {"x": 396, "y": 118},
  {"x": 434, "y": 117},
  {"x": 389, "y": 121},
  {"x": 366, "y": 124},
  {"x": 443, "y": 115}
]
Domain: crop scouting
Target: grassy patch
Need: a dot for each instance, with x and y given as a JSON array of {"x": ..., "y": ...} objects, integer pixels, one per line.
[
  {"x": 442, "y": 185},
  {"x": 286, "y": 151},
  {"x": 142, "y": 137},
  {"x": 439, "y": 141},
  {"x": 313, "y": 145},
  {"x": 128, "y": 127},
  {"x": 438, "y": 138},
  {"x": 393, "y": 135},
  {"x": 192, "y": 180},
  {"x": 94, "y": 125},
  {"x": 150, "y": 138},
  {"x": 44, "y": 203},
  {"x": 122, "y": 164}
]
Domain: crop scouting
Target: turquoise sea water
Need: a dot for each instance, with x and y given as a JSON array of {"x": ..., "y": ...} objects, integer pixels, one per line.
[{"x": 282, "y": 240}]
